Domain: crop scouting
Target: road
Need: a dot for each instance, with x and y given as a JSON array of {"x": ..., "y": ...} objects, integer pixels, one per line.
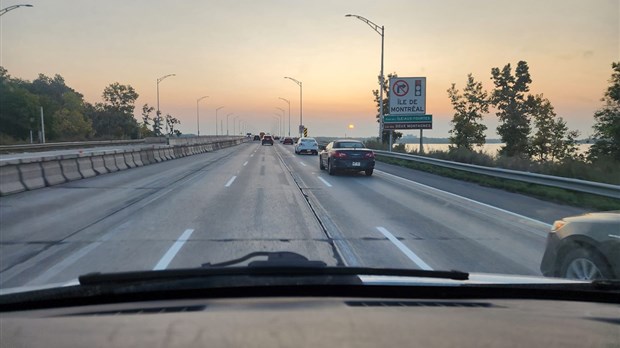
[{"x": 221, "y": 205}]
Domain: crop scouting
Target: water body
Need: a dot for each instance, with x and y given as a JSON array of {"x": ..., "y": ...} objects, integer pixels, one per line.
[{"x": 490, "y": 149}]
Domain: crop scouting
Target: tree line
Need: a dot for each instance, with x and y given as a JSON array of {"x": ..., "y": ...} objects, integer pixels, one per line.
[
  {"x": 529, "y": 126},
  {"x": 68, "y": 117}
]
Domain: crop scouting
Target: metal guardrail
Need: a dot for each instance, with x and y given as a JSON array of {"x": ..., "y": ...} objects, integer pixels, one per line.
[
  {"x": 67, "y": 145},
  {"x": 595, "y": 188}
]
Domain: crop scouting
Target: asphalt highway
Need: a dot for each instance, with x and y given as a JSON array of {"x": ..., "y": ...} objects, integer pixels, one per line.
[{"x": 224, "y": 204}]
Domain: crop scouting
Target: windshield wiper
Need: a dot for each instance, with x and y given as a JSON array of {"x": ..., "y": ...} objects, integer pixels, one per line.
[{"x": 278, "y": 264}]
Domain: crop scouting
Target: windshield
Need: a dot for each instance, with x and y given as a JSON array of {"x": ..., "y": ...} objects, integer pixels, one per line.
[{"x": 131, "y": 136}]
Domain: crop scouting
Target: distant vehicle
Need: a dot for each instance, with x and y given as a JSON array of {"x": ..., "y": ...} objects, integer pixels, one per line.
[
  {"x": 248, "y": 135},
  {"x": 288, "y": 141},
  {"x": 350, "y": 155},
  {"x": 276, "y": 137},
  {"x": 585, "y": 247},
  {"x": 267, "y": 139},
  {"x": 307, "y": 145},
  {"x": 256, "y": 137}
]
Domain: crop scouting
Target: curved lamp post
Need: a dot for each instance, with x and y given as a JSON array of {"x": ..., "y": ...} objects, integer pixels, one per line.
[
  {"x": 289, "y": 114},
  {"x": 301, "y": 119},
  {"x": 198, "y": 113},
  {"x": 381, "y": 31},
  {"x": 9, "y": 8},
  {"x": 158, "y": 112}
]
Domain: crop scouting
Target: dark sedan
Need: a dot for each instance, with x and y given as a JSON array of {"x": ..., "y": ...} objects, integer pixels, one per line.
[
  {"x": 349, "y": 155},
  {"x": 584, "y": 247},
  {"x": 267, "y": 139}
]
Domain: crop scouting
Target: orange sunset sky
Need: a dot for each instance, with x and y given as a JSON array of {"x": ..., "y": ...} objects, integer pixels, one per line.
[{"x": 237, "y": 53}]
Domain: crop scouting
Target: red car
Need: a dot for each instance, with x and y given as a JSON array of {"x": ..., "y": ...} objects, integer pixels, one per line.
[{"x": 288, "y": 141}]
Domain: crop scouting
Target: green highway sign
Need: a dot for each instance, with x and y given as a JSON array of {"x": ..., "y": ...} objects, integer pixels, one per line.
[{"x": 408, "y": 118}]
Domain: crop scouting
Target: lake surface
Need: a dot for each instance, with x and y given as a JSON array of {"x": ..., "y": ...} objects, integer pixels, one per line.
[{"x": 490, "y": 149}]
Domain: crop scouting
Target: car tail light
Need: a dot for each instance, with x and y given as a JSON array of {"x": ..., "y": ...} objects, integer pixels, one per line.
[
  {"x": 338, "y": 154},
  {"x": 369, "y": 155}
]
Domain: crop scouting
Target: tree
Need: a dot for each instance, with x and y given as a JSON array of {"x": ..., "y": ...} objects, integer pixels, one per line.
[
  {"x": 607, "y": 122},
  {"x": 19, "y": 108},
  {"x": 146, "y": 122},
  {"x": 114, "y": 118},
  {"x": 386, "y": 107},
  {"x": 469, "y": 108},
  {"x": 509, "y": 97},
  {"x": 50, "y": 92},
  {"x": 120, "y": 98},
  {"x": 552, "y": 140},
  {"x": 171, "y": 122},
  {"x": 70, "y": 121}
]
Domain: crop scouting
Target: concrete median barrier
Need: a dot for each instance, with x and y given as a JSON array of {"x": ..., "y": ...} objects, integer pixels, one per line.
[
  {"x": 85, "y": 165},
  {"x": 151, "y": 156},
  {"x": 170, "y": 153},
  {"x": 157, "y": 156},
  {"x": 129, "y": 160},
  {"x": 70, "y": 169},
  {"x": 178, "y": 153},
  {"x": 99, "y": 165},
  {"x": 110, "y": 162},
  {"x": 10, "y": 181},
  {"x": 137, "y": 159},
  {"x": 120, "y": 161},
  {"x": 162, "y": 154},
  {"x": 52, "y": 172},
  {"x": 31, "y": 174}
]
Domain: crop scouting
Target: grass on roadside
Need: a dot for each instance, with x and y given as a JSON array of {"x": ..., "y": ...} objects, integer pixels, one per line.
[{"x": 553, "y": 194}]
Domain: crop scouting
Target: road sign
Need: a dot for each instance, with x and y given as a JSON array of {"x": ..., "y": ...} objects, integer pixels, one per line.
[
  {"x": 408, "y": 125},
  {"x": 301, "y": 128},
  {"x": 305, "y": 132},
  {"x": 407, "y": 96},
  {"x": 408, "y": 118}
]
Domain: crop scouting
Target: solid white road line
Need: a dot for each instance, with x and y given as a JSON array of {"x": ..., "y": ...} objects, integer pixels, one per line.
[
  {"x": 230, "y": 181},
  {"x": 464, "y": 198},
  {"x": 245, "y": 164},
  {"x": 325, "y": 182},
  {"x": 172, "y": 252},
  {"x": 410, "y": 254},
  {"x": 302, "y": 163}
]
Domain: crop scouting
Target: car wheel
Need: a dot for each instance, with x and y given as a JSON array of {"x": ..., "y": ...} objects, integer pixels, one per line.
[
  {"x": 330, "y": 170},
  {"x": 321, "y": 166},
  {"x": 368, "y": 172},
  {"x": 584, "y": 264}
]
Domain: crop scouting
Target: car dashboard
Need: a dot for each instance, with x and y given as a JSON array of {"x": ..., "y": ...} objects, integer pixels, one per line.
[{"x": 318, "y": 322}]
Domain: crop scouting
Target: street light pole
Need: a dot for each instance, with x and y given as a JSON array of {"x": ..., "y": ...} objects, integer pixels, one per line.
[
  {"x": 9, "y": 8},
  {"x": 289, "y": 115},
  {"x": 281, "y": 119},
  {"x": 216, "y": 118},
  {"x": 198, "y": 113},
  {"x": 158, "y": 112},
  {"x": 381, "y": 31},
  {"x": 235, "y": 124},
  {"x": 227, "y": 122},
  {"x": 301, "y": 120}
]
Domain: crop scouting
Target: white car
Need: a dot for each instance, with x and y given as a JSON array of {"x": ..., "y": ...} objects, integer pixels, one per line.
[{"x": 307, "y": 145}]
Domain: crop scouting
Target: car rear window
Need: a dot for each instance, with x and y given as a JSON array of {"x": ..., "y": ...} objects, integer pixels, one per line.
[{"x": 349, "y": 145}]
